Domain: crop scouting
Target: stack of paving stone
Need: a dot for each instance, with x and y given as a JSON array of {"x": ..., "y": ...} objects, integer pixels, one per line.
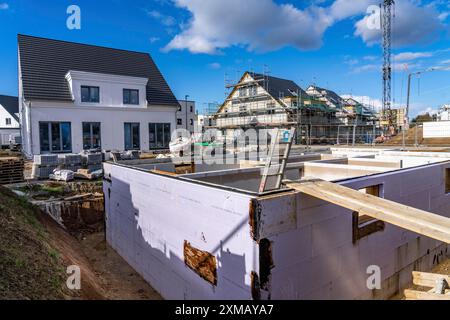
[
  {"x": 44, "y": 165},
  {"x": 93, "y": 161}
]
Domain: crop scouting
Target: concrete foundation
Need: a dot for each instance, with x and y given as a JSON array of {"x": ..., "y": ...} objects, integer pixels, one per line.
[{"x": 210, "y": 235}]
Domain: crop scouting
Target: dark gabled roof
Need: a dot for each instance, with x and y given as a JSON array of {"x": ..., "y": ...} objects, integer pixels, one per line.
[
  {"x": 44, "y": 64},
  {"x": 11, "y": 105},
  {"x": 278, "y": 87},
  {"x": 330, "y": 95}
]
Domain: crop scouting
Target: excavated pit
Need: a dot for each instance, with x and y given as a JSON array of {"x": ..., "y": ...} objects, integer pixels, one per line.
[{"x": 77, "y": 206}]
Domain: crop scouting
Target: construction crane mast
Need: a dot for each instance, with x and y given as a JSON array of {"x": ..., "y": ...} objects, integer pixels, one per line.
[{"x": 386, "y": 27}]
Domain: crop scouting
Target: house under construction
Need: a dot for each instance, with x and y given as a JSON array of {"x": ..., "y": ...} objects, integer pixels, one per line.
[
  {"x": 210, "y": 234},
  {"x": 263, "y": 102}
]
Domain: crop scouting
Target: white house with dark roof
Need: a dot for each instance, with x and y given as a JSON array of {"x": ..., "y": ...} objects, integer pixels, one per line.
[
  {"x": 9, "y": 119},
  {"x": 76, "y": 97}
]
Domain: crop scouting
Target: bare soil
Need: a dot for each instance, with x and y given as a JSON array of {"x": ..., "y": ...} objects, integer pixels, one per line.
[{"x": 35, "y": 253}]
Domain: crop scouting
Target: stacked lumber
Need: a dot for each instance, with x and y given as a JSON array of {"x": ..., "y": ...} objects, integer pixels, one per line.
[
  {"x": 438, "y": 283},
  {"x": 11, "y": 170}
]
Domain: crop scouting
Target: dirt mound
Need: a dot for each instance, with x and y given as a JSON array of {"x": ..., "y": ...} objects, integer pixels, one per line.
[
  {"x": 410, "y": 139},
  {"x": 35, "y": 253}
]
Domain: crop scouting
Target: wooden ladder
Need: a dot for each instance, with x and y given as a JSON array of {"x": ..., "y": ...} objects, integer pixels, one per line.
[{"x": 287, "y": 137}]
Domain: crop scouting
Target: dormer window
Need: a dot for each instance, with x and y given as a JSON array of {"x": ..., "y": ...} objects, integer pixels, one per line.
[
  {"x": 90, "y": 94},
  {"x": 130, "y": 96}
]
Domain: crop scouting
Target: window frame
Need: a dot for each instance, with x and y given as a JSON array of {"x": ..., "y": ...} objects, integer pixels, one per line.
[
  {"x": 90, "y": 94},
  {"x": 8, "y": 121},
  {"x": 132, "y": 125},
  {"x": 363, "y": 225},
  {"x": 155, "y": 144},
  {"x": 50, "y": 137},
  {"x": 91, "y": 134},
  {"x": 129, "y": 91}
]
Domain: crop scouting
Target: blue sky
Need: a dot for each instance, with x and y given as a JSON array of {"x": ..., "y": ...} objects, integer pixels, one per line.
[{"x": 197, "y": 43}]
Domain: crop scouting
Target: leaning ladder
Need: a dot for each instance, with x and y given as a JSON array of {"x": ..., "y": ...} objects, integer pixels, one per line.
[{"x": 286, "y": 139}]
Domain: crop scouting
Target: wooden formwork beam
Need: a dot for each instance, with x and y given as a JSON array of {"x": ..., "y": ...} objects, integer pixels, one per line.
[{"x": 416, "y": 220}]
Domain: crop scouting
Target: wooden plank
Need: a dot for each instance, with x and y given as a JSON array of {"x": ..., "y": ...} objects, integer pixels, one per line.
[
  {"x": 426, "y": 279},
  {"x": 421, "y": 295},
  {"x": 419, "y": 221}
]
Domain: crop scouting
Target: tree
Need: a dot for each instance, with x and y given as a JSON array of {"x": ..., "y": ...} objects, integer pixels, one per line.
[{"x": 422, "y": 118}]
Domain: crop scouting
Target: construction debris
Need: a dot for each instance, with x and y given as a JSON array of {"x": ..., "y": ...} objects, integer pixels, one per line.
[
  {"x": 438, "y": 282},
  {"x": 62, "y": 175}
]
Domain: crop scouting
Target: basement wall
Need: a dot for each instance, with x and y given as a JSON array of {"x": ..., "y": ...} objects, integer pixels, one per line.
[
  {"x": 314, "y": 256},
  {"x": 291, "y": 245},
  {"x": 149, "y": 218}
]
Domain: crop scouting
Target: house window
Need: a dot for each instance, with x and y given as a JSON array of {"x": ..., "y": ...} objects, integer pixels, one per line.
[
  {"x": 447, "y": 180},
  {"x": 55, "y": 137},
  {"x": 8, "y": 121},
  {"x": 192, "y": 122},
  {"x": 90, "y": 94},
  {"x": 179, "y": 122},
  {"x": 242, "y": 92},
  {"x": 179, "y": 108},
  {"x": 364, "y": 225},
  {"x": 130, "y": 96},
  {"x": 192, "y": 109},
  {"x": 132, "y": 136},
  {"x": 160, "y": 135},
  {"x": 91, "y": 136}
]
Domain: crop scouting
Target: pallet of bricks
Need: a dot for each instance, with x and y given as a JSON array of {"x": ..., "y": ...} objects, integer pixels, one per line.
[{"x": 11, "y": 170}]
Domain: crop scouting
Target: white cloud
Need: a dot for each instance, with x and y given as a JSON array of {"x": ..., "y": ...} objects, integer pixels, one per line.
[
  {"x": 154, "y": 39},
  {"x": 256, "y": 24},
  {"x": 4, "y": 6},
  {"x": 351, "y": 61},
  {"x": 412, "y": 24},
  {"x": 366, "y": 68},
  {"x": 264, "y": 25},
  {"x": 409, "y": 56},
  {"x": 371, "y": 58},
  {"x": 428, "y": 110},
  {"x": 444, "y": 15},
  {"x": 342, "y": 9},
  {"x": 165, "y": 20},
  {"x": 215, "y": 65},
  {"x": 371, "y": 67}
]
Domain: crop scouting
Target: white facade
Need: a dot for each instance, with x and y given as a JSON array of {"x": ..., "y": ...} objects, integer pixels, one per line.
[
  {"x": 439, "y": 129},
  {"x": 110, "y": 112},
  {"x": 186, "y": 116},
  {"x": 9, "y": 127}
]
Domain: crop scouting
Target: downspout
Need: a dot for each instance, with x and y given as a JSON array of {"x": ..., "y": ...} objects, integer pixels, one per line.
[{"x": 30, "y": 131}]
